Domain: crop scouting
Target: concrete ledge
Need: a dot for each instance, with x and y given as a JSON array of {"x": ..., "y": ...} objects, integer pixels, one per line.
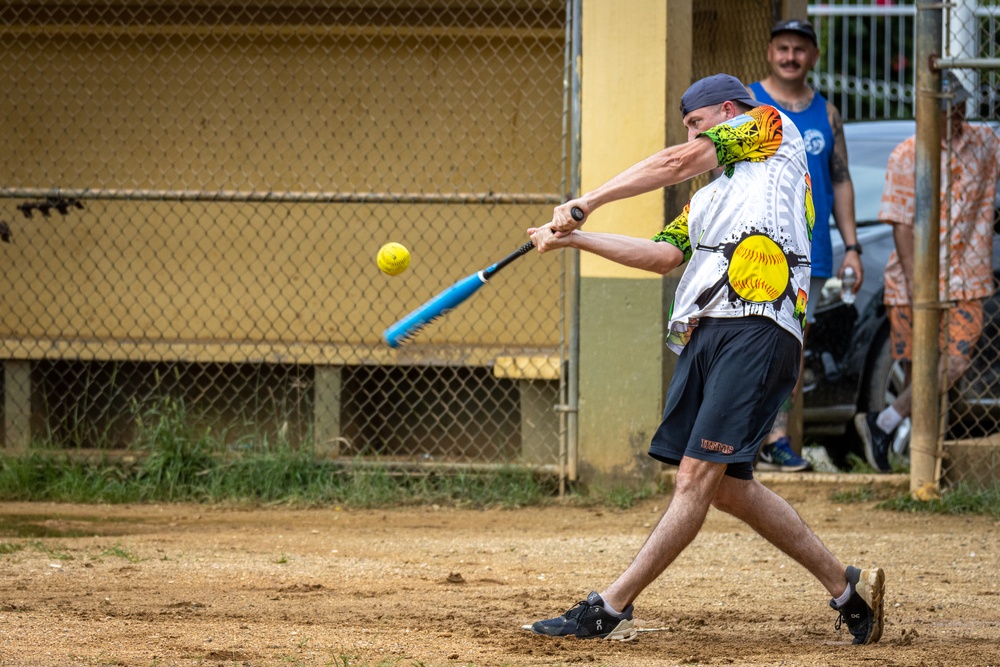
[
  {"x": 841, "y": 478},
  {"x": 539, "y": 367}
]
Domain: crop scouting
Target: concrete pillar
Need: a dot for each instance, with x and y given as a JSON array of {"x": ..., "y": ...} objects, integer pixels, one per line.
[
  {"x": 538, "y": 385},
  {"x": 326, "y": 412},
  {"x": 636, "y": 64},
  {"x": 539, "y": 421},
  {"x": 17, "y": 404}
]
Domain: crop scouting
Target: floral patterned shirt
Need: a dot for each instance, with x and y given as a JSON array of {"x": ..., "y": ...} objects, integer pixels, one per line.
[{"x": 967, "y": 252}]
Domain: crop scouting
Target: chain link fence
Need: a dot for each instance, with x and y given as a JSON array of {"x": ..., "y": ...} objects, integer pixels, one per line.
[
  {"x": 195, "y": 195},
  {"x": 970, "y": 451}
]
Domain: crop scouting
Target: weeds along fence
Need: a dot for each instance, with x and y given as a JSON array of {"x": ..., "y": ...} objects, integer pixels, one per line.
[{"x": 194, "y": 196}]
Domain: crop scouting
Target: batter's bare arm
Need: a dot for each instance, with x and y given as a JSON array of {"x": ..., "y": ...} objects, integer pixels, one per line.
[
  {"x": 672, "y": 165},
  {"x": 656, "y": 256},
  {"x": 843, "y": 194}
]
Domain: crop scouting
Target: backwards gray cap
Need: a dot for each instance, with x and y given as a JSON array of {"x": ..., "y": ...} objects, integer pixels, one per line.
[{"x": 713, "y": 90}]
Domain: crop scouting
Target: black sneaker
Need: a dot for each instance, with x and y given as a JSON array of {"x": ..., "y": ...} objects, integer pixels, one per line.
[
  {"x": 780, "y": 457},
  {"x": 863, "y": 610},
  {"x": 876, "y": 441},
  {"x": 588, "y": 620}
]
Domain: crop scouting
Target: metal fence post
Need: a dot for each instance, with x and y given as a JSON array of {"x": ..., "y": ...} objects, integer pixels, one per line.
[
  {"x": 926, "y": 237},
  {"x": 573, "y": 259}
]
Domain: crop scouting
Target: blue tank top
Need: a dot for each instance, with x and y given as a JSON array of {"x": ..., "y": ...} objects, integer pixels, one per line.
[{"x": 814, "y": 125}]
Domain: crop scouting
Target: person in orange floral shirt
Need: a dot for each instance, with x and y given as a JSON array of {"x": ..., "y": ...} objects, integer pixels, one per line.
[{"x": 968, "y": 191}]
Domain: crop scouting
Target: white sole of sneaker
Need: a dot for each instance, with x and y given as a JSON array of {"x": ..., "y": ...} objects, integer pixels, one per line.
[
  {"x": 875, "y": 581},
  {"x": 623, "y": 632}
]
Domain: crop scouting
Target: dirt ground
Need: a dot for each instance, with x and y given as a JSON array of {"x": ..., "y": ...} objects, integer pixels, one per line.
[{"x": 430, "y": 586}]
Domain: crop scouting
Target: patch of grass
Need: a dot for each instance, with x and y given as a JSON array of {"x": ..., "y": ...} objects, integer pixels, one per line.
[
  {"x": 618, "y": 496},
  {"x": 861, "y": 494},
  {"x": 176, "y": 460},
  {"x": 55, "y": 476},
  {"x": 119, "y": 552},
  {"x": 623, "y": 497},
  {"x": 192, "y": 472},
  {"x": 52, "y": 552},
  {"x": 858, "y": 464},
  {"x": 962, "y": 499},
  {"x": 10, "y": 547}
]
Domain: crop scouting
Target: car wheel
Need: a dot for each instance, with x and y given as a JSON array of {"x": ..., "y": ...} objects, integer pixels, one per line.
[{"x": 885, "y": 381}]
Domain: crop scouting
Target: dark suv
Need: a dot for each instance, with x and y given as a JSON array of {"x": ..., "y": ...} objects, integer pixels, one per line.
[{"x": 848, "y": 366}]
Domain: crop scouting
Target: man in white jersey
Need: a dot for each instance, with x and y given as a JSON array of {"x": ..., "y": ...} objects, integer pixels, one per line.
[{"x": 737, "y": 322}]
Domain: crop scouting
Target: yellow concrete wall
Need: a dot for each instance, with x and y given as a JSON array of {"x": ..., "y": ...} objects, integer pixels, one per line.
[
  {"x": 636, "y": 65},
  {"x": 624, "y": 71},
  {"x": 624, "y": 119}
]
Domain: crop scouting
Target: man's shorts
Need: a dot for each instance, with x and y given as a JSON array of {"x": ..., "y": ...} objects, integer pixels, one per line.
[
  {"x": 965, "y": 325},
  {"x": 730, "y": 380}
]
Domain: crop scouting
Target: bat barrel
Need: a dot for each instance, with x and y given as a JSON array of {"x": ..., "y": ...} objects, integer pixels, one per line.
[{"x": 400, "y": 332}]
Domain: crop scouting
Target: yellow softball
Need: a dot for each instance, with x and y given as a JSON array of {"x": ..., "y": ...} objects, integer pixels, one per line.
[
  {"x": 393, "y": 258},
  {"x": 758, "y": 269}
]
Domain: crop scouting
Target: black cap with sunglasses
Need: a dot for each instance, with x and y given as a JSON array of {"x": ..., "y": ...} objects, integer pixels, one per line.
[{"x": 797, "y": 26}]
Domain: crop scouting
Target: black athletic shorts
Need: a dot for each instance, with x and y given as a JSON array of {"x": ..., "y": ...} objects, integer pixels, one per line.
[{"x": 730, "y": 380}]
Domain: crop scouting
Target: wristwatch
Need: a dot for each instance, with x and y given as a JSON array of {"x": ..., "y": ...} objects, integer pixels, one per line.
[{"x": 856, "y": 247}]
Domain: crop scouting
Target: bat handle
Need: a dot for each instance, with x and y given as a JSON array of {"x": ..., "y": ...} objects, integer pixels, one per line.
[{"x": 487, "y": 273}]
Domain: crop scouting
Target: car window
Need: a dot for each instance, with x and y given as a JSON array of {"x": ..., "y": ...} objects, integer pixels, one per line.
[
  {"x": 868, "y": 182},
  {"x": 867, "y": 159}
]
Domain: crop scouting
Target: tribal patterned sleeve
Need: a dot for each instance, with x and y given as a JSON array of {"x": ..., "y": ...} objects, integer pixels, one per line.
[
  {"x": 676, "y": 233},
  {"x": 750, "y": 137}
]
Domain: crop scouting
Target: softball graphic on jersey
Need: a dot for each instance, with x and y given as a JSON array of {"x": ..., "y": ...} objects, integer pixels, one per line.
[{"x": 758, "y": 270}]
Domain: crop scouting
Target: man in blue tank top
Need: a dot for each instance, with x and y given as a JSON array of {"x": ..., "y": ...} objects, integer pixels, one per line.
[{"x": 791, "y": 53}]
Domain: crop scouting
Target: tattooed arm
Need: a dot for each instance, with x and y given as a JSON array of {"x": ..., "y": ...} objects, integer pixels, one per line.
[{"x": 843, "y": 194}]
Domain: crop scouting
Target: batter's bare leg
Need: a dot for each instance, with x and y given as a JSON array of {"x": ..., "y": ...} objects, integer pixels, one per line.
[
  {"x": 777, "y": 522},
  {"x": 696, "y": 486}
]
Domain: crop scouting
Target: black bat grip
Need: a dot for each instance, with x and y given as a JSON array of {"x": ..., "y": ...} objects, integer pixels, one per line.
[
  {"x": 489, "y": 271},
  {"x": 577, "y": 214}
]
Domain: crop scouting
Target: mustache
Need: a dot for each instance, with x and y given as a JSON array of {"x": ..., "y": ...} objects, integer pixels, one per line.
[{"x": 790, "y": 63}]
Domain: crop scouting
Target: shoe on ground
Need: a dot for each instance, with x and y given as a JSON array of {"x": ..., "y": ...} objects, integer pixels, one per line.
[
  {"x": 863, "y": 610},
  {"x": 588, "y": 620},
  {"x": 876, "y": 441},
  {"x": 780, "y": 457}
]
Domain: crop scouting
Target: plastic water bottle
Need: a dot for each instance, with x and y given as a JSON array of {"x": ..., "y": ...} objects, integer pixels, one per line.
[{"x": 848, "y": 282}]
